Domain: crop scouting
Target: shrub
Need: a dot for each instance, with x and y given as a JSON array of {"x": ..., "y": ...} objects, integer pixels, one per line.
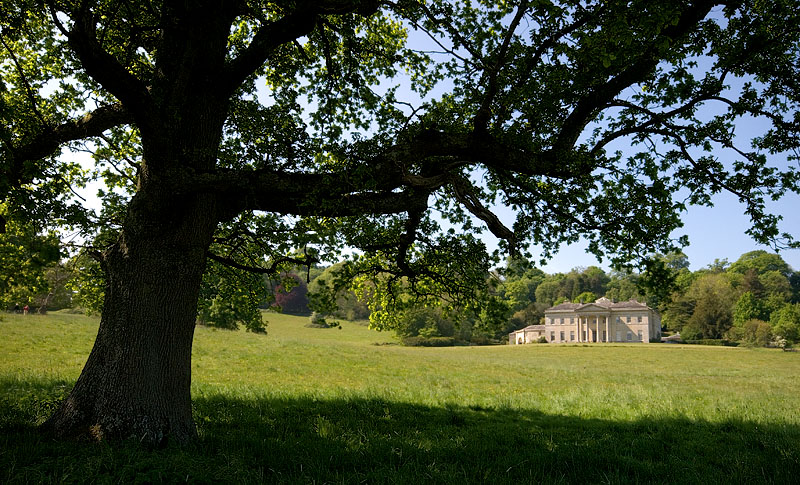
[
  {"x": 479, "y": 339},
  {"x": 781, "y": 343},
  {"x": 318, "y": 321},
  {"x": 714, "y": 342},
  {"x": 735, "y": 333},
  {"x": 690, "y": 332},
  {"x": 757, "y": 333},
  {"x": 542, "y": 340},
  {"x": 429, "y": 341}
]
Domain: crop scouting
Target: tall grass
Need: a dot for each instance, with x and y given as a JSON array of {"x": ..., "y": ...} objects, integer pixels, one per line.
[{"x": 308, "y": 405}]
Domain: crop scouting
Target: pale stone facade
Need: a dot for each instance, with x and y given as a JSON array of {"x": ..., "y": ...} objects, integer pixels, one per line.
[{"x": 601, "y": 321}]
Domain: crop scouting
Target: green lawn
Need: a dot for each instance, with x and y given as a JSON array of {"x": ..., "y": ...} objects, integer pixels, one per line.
[{"x": 349, "y": 405}]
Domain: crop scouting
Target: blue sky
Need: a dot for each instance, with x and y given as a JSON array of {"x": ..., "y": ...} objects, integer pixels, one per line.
[{"x": 714, "y": 233}]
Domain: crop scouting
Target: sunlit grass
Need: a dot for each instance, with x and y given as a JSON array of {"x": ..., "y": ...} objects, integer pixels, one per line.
[{"x": 346, "y": 405}]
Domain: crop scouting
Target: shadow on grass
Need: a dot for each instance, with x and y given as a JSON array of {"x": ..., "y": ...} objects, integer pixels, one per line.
[{"x": 377, "y": 441}]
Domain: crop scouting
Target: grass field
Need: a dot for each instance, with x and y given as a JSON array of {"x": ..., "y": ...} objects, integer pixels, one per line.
[{"x": 303, "y": 405}]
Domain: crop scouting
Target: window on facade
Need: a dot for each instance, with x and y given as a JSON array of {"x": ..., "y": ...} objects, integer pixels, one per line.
[
  {"x": 571, "y": 320},
  {"x": 572, "y": 336},
  {"x": 630, "y": 336},
  {"x": 628, "y": 319},
  {"x": 639, "y": 319},
  {"x": 562, "y": 321},
  {"x": 552, "y": 336},
  {"x": 619, "y": 320},
  {"x": 640, "y": 335},
  {"x": 562, "y": 336}
]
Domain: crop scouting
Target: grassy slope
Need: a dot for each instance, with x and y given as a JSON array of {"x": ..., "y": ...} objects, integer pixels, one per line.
[{"x": 326, "y": 405}]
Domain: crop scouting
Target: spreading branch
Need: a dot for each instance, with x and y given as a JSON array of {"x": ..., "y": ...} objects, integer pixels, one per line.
[
  {"x": 272, "y": 269},
  {"x": 465, "y": 194},
  {"x": 295, "y": 24},
  {"x": 99, "y": 64},
  {"x": 49, "y": 141},
  {"x": 602, "y": 94}
]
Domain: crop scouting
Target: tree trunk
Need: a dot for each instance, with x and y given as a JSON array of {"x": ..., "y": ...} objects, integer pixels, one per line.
[{"x": 136, "y": 382}]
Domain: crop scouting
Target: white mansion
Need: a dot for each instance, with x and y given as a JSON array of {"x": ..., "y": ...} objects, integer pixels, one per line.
[{"x": 601, "y": 321}]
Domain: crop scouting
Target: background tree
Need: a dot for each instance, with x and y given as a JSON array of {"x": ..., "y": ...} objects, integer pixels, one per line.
[
  {"x": 785, "y": 322},
  {"x": 760, "y": 262},
  {"x": 623, "y": 286},
  {"x": 712, "y": 298},
  {"x": 748, "y": 307},
  {"x": 25, "y": 257},
  {"x": 57, "y": 296},
  {"x": 86, "y": 283},
  {"x": 291, "y": 295},
  {"x": 519, "y": 281},
  {"x": 551, "y": 289},
  {"x": 229, "y": 298},
  {"x": 585, "y": 297},
  {"x": 332, "y": 153},
  {"x": 330, "y": 294}
]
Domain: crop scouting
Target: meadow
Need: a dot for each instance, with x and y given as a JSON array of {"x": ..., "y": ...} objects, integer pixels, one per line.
[{"x": 350, "y": 405}]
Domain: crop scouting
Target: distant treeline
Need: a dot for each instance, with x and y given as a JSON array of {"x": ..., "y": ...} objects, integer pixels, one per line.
[{"x": 754, "y": 300}]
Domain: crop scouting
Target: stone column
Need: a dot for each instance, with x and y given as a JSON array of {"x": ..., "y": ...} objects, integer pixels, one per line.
[{"x": 608, "y": 332}]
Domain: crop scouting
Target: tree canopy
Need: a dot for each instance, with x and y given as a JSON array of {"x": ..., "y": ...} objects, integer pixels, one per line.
[{"x": 241, "y": 130}]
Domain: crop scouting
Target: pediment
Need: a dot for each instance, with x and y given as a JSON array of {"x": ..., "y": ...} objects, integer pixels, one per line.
[{"x": 591, "y": 307}]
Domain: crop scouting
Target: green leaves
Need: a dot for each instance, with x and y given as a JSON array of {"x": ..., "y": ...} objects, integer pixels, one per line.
[
  {"x": 26, "y": 249},
  {"x": 604, "y": 120}
]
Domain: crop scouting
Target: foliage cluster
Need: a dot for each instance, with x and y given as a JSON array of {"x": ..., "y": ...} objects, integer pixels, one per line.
[
  {"x": 29, "y": 264},
  {"x": 753, "y": 300}
]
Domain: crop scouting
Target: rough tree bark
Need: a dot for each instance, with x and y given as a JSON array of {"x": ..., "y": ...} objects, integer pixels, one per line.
[{"x": 136, "y": 382}]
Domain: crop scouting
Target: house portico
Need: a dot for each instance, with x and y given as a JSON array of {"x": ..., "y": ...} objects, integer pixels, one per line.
[{"x": 593, "y": 323}]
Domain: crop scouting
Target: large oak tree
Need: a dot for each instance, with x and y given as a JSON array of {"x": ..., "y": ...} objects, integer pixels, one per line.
[{"x": 225, "y": 125}]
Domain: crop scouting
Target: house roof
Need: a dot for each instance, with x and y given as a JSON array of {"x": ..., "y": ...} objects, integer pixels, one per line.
[
  {"x": 565, "y": 306},
  {"x": 529, "y": 327},
  {"x": 629, "y": 304},
  {"x": 603, "y": 303}
]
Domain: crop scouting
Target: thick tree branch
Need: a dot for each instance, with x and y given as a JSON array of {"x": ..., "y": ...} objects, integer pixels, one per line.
[
  {"x": 601, "y": 95},
  {"x": 99, "y": 64},
  {"x": 302, "y": 194},
  {"x": 396, "y": 179},
  {"x": 49, "y": 141},
  {"x": 465, "y": 194},
  {"x": 295, "y": 24},
  {"x": 430, "y": 147},
  {"x": 269, "y": 270},
  {"x": 481, "y": 119}
]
